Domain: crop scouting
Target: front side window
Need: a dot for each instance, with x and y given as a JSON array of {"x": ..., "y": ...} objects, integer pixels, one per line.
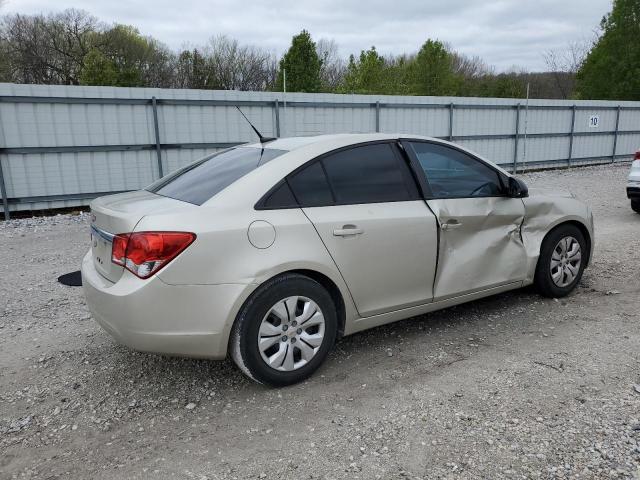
[
  {"x": 454, "y": 174},
  {"x": 198, "y": 182}
]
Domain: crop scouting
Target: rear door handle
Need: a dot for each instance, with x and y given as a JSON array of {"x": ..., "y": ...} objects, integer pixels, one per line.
[
  {"x": 451, "y": 224},
  {"x": 347, "y": 230}
]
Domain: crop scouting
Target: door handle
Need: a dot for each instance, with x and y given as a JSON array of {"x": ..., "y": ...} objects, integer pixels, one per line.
[
  {"x": 451, "y": 224},
  {"x": 347, "y": 230}
]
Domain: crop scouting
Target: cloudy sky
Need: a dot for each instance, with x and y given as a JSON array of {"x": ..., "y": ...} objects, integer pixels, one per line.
[{"x": 505, "y": 33}]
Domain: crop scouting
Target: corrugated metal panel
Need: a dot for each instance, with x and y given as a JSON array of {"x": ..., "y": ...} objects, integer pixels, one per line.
[
  {"x": 539, "y": 149},
  {"x": 484, "y": 121},
  {"x": 96, "y": 119},
  {"x": 429, "y": 121},
  {"x": 595, "y": 146},
  {"x": 628, "y": 144}
]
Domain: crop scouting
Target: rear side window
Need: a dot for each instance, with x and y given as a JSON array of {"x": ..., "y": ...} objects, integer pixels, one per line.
[
  {"x": 198, "y": 182},
  {"x": 310, "y": 186},
  {"x": 368, "y": 174},
  {"x": 280, "y": 197}
]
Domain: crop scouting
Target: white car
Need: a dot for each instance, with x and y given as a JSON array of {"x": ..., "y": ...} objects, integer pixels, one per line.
[
  {"x": 270, "y": 252},
  {"x": 633, "y": 183}
]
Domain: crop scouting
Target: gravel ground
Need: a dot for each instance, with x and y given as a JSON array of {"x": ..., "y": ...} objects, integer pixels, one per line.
[{"x": 513, "y": 386}]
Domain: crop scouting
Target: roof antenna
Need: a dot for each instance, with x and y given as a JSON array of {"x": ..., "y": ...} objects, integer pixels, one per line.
[{"x": 262, "y": 139}]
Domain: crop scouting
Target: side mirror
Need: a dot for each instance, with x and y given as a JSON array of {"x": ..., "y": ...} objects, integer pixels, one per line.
[{"x": 517, "y": 188}]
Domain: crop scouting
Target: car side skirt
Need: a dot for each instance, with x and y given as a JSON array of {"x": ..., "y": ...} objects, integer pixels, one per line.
[{"x": 382, "y": 319}]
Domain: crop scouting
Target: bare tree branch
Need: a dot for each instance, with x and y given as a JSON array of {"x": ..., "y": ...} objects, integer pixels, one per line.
[{"x": 333, "y": 66}]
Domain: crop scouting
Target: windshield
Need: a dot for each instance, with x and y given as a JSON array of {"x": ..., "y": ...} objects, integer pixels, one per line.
[{"x": 199, "y": 181}]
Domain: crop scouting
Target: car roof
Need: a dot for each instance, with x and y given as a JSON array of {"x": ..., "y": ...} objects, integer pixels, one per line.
[{"x": 294, "y": 143}]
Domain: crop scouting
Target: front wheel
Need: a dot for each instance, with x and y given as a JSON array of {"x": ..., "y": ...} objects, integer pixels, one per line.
[
  {"x": 284, "y": 331},
  {"x": 561, "y": 262},
  {"x": 635, "y": 205}
]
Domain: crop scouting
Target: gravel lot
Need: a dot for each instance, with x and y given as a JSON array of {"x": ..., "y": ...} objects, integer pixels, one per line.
[{"x": 513, "y": 386}]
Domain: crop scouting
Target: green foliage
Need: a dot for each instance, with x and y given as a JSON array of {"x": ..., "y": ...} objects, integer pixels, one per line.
[
  {"x": 507, "y": 85},
  {"x": 431, "y": 72},
  {"x": 98, "y": 69},
  {"x": 612, "y": 68},
  {"x": 124, "y": 58},
  {"x": 302, "y": 65},
  {"x": 367, "y": 75}
]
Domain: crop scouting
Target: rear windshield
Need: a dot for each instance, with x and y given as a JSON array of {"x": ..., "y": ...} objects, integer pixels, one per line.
[{"x": 198, "y": 182}]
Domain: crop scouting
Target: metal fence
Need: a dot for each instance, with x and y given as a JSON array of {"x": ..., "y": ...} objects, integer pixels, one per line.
[{"x": 62, "y": 146}]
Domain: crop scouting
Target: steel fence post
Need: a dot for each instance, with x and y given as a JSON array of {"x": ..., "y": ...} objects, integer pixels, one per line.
[
  {"x": 154, "y": 105},
  {"x": 3, "y": 190},
  {"x": 451, "y": 121},
  {"x": 377, "y": 117},
  {"x": 615, "y": 135},
  {"x": 276, "y": 109},
  {"x": 516, "y": 139},
  {"x": 573, "y": 127}
]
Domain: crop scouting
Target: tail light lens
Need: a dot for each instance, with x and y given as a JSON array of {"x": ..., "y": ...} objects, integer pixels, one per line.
[
  {"x": 144, "y": 253},
  {"x": 637, "y": 156}
]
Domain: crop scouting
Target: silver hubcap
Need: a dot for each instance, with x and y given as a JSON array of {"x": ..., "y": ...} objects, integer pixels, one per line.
[
  {"x": 565, "y": 261},
  {"x": 291, "y": 333}
]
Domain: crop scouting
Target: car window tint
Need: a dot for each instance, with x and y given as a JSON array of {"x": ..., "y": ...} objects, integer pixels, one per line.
[
  {"x": 366, "y": 174},
  {"x": 198, "y": 182},
  {"x": 281, "y": 197},
  {"x": 454, "y": 174},
  {"x": 310, "y": 186}
]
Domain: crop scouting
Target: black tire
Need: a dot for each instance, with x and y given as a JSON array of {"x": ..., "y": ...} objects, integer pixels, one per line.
[
  {"x": 635, "y": 206},
  {"x": 543, "y": 282},
  {"x": 243, "y": 342}
]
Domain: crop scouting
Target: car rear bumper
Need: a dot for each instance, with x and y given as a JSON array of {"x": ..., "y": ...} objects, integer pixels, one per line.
[
  {"x": 633, "y": 191},
  {"x": 153, "y": 316}
]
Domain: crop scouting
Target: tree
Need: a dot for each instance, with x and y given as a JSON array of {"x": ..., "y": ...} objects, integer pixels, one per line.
[
  {"x": 46, "y": 49},
  {"x": 611, "y": 70},
  {"x": 508, "y": 85},
  {"x": 302, "y": 65},
  {"x": 563, "y": 65},
  {"x": 238, "y": 67},
  {"x": 333, "y": 67},
  {"x": 367, "y": 74},
  {"x": 193, "y": 71},
  {"x": 98, "y": 69},
  {"x": 130, "y": 59},
  {"x": 431, "y": 72}
]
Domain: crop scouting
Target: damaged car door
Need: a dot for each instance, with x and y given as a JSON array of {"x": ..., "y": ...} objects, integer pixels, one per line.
[{"x": 480, "y": 245}]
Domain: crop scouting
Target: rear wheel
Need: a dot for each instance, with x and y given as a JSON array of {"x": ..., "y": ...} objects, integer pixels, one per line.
[
  {"x": 635, "y": 205},
  {"x": 561, "y": 262},
  {"x": 284, "y": 331}
]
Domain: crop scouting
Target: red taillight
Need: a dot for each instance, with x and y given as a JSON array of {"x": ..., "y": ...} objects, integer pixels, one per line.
[
  {"x": 144, "y": 253},
  {"x": 119, "y": 248},
  {"x": 637, "y": 156}
]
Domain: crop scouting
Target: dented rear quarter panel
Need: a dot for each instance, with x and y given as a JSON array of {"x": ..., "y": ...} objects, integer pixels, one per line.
[{"x": 544, "y": 211}]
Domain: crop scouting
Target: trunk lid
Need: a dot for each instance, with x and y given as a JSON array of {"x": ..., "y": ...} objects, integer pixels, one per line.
[{"x": 121, "y": 213}]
